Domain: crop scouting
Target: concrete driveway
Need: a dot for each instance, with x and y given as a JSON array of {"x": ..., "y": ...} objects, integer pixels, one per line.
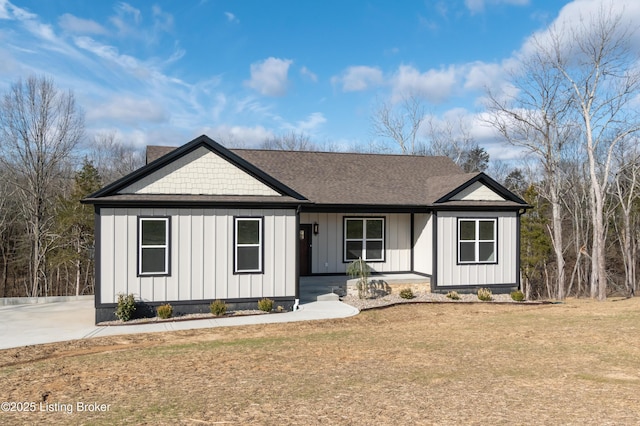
[{"x": 31, "y": 324}]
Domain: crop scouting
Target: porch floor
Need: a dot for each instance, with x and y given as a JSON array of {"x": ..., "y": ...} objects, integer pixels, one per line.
[{"x": 319, "y": 285}]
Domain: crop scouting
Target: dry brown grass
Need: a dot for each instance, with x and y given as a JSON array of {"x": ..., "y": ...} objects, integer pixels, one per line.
[{"x": 576, "y": 363}]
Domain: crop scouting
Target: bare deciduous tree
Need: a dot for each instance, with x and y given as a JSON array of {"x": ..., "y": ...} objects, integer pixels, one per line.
[
  {"x": 112, "y": 158},
  {"x": 537, "y": 117},
  {"x": 292, "y": 141},
  {"x": 627, "y": 185},
  {"x": 450, "y": 137},
  {"x": 39, "y": 128},
  {"x": 7, "y": 224},
  {"x": 400, "y": 123},
  {"x": 578, "y": 84},
  {"x": 595, "y": 58}
]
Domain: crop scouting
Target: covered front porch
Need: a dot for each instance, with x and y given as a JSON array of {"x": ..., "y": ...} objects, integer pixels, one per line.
[{"x": 329, "y": 287}]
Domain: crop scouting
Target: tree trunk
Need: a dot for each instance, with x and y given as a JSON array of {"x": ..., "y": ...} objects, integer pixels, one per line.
[
  {"x": 558, "y": 242},
  {"x": 78, "y": 265}
]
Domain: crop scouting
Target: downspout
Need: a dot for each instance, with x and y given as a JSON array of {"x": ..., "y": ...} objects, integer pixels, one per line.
[
  {"x": 518, "y": 270},
  {"x": 296, "y": 303},
  {"x": 434, "y": 251}
]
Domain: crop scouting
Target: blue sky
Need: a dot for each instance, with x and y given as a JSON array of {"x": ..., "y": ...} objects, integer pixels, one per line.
[{"x": 165, "y": 72}]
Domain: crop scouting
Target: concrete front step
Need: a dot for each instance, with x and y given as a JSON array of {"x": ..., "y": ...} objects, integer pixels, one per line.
[{"x": 329, "y": 297}]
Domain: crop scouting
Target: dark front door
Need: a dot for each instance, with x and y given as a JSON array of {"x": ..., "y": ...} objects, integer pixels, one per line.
[{"x": 304, "y": 257}]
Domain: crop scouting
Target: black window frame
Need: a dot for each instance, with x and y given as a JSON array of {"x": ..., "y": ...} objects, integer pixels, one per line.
[
  {"x": 364, "y": 238},
  {"x": 260, "y": 269},
  {"x": 477, "y": 240},
  {"x": 167, "y": 246}
]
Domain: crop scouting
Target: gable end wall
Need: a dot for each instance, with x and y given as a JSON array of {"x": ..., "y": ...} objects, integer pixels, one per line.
[
  {"x": 477, "y": 192},
  {"x": 200, "y": 172}
]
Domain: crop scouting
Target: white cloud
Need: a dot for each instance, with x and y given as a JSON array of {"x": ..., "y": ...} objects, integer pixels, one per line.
[
  {"x": 109, "y": 53},
  {"x": 163, "y": 21},
  {"x": 137, "y": 68},
  {"x": 40, "y": 30},
  {"x": 129, "y": 110},
  {"x": 578, "y": 18},
  {"x": 434, "y": 85},
  {"x": 231, "y": 18},
  {"x": 482, "y": 75},
  {"x": 359, "y": 78},
  {"x": 125, "y": 13},
  {"x": 126, "y": 9},
  {"x": 478, "y": 6},
  {"x": 8, "y": 65},
  {"x": 4, "y": 12},
  {"x": 250, "y": 104},
  {"x": 238, "y": 136},
  {"x": 269, "y": 77},
  {"x": 309, "y": 125},
  {"x": 10, "y": 11},
  {"x": 219, "y": 106},
  {"x": 310, "y": 75},
  {"x": 74, "y": 24}
]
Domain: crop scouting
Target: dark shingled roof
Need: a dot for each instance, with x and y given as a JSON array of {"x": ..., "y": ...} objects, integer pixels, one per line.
[
  {"x": 342, "y": 178},
  {"x": 154, "y": 152},
  {"x": 350, "y": 178},
  {"x": 338, "y": 178}
]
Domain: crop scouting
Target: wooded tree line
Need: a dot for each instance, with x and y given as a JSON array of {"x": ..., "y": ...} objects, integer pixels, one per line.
[
  {"x": 46, "y": 235},
  {"x": 570, "y": 106}
]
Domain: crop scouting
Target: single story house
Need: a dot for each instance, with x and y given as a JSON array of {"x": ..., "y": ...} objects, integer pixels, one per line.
[{"x": 202, "y": 222}]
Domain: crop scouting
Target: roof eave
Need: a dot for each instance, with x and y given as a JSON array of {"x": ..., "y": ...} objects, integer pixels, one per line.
[
  {"x": 487, "y": 180},
  {"x": 188, "y": 147},
  {"x": 106, "y": 202}
]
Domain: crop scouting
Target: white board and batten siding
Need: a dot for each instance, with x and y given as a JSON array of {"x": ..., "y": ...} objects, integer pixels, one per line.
[
  {"x": 201, "y": 255},
  {"x": 423, "y": 243},
  {"x": 327, "y": 250},
  {"x": 503, "y": 272}
]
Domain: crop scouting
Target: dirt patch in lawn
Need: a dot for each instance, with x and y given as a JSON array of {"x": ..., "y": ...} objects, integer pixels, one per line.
[{"x": 575, "y": 363}]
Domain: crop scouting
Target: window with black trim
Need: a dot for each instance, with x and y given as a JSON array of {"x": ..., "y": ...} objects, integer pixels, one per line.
[
  {"x": 477, "y": 240},
  {"x": 248, "y": 244},
  {"x": 364, "y": 238},
  {"x": 153, "y": 246}
]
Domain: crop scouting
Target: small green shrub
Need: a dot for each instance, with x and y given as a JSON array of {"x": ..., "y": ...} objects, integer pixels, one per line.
[
  {"x": 126, "y": 306},
  {"x": 164, "y": 311},
  {"x": 218, "y": 308},
  {"x": 484, "y": 294},
  {"x": 265, "y": 304},
  {"x": 407, "y": 293},
  {"x": 517, "y": 295},
  {"x": 453, "y": 295}
]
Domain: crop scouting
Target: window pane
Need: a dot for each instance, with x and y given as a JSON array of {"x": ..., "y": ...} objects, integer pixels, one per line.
[
  {"x": 467, "y": 230},
  {"x": 467, "y": 252},
  {"x": 248, "y": 258},
  {"x": 248, "y": 232},
  {"x": 374, "y": 228},
  {"x": 354, "y": 250},
  {"x": 154, "y": 232},
  {"x": 374, "y": 250},
  {"x": 487, "y": 252},
  {"x": 486, "y": 229},
  {"x": 153, "y": 261},
  {"x": 354, "y": 229}
]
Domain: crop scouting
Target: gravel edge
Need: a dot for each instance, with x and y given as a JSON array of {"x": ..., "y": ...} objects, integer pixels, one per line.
[{"x": 395, "y": 299}]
